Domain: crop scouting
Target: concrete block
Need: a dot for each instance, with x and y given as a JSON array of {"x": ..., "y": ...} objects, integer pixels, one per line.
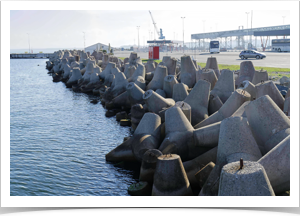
[
  {"x": 179, "y": 92},
  {"x": 202, "y": 175},
  {"x": 277, "y": 165},
  {"x": 149, "y": 128},
  {"x": 212, "y": 63},
  {"x": 170, "y": 178},
  {"x": 135, "y": 93},
  {"x": 235, "y": 144},
  {"x": 214, "y": 104},
  {"x": 260, "y": 76},
  {"x": 140, "y": 71},
  {"x": 148, "y": 165},
  {"x": 179, "y": 134},
  {"x": 228, "y": 108},
  {"x": 198, "y": 100},
  {"x": 157, "y": 81},
  {"x": 269, "y": 88},
  {"x": 224, "y": 86},
  {"x": 207, "y": 136},
  {"x": 208, "y": 75},
  {"x": 155, "y": 102},
  {"x": 247, "y": 71},
  {"x": 76, "y": 75},
  {"x": 161, "y": 93},
  {"x": 265, "y": 119},
  {"x": 169, "y": 82},
  {"x": 249, "y": 87},
  {"x": 250, "y": 180},
  {"x": 188, "y": 71},
  {"x": 193, "y": 166},
  {"x": 107, "y": 69}
]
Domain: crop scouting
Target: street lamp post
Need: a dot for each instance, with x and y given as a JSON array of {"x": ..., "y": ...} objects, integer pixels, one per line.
[
  {"x": 83, "y": 41},
  {"x": 203, "y": 32},
  {"x": 283, "y": 19},
  {"x": 183, "y": 32},
  {"x": 28, "y": 42},
  {"x": 138, "y": 28},
  {"x": 247, "y": 28}
]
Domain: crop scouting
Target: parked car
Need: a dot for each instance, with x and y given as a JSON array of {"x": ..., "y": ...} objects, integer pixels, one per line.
[
  {"x": 252, "y": 54},
  {"x": 223, "y": 50}
]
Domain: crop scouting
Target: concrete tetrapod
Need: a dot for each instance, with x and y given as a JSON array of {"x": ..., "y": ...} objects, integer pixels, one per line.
[
  {"x": 139, "y": 71},
  {"x": 67, "y": 70},
  {"x": 170, "y": 63},
  {"x": 135, "y": 93},
  {"x": 179, "y": 134},
  {"x": 169, "y": 82},
  {"x": 145, "y": 137},
  {"x": 185, "y": 108},
  {"x": 89, "y": 70},
  {"x": 155, "y": 102},
  {"x": 277, "y": 165},
  {"x": 249, "y": 87},
  {"x": 157, "y": 81},
  {"x": 224, "y": 86},
  {"x": 207, "y": 136},
  {"x": 148, "y": 165},
  {"x": 267, "y": 120},
  {"x": 161, "y": 93},
  {"x": 212, "y": 63},
  {"x": 214, "y": 104},
  {"x": 247, "y": 71},
  {"x": 188, "y": 71},
  {"x": 228, "y": 108},
  {"x": 203, "y": 174},
  {"x": 140, "y": 82},
  {"x": 129, "y": 70},
  {"x": 107, "y": 69},
  {"x": 121, "y": 101},
  {"x": 170, "y": 178},
  {"x": 269, "y": 88},
  {"x": 198, "y": 100},
  {"x": 233, "y": 144},
  {"x": 76, "y": 75},
  {"x": 148, "y": 130},
  {"x": 193, "y": 166},
  {"x": 94, "y": 80},
  {"x": 260, "y": 76},
  {"x": 208, "y": 75},
  {"x": 137, "y": 113},
  {"x": 180, "y": 92},
  {"x": 286, "y": 106},
  {"x": 119, "y": 84},
  {"x": 250, "y": 180}
]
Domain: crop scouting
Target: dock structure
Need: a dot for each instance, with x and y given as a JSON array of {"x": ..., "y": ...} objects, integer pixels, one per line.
[{"x": 30, "y": 55}]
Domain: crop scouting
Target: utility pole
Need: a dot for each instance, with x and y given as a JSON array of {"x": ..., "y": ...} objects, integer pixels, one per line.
[
  {"x": 28, "y": 42},
  {"x": 203, "y": 32},
  {"x": 283, "y": 19},
  {"x": 247, "y": 27},
  {"x": 138, "y": 28},
  {"x": 83, "y": 41},
  {"x": 183, "y": 32},
  {"x": 251, "y": 27}
]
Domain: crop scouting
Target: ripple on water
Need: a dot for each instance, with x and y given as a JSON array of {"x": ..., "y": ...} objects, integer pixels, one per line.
[{"x": 58, "y": 139}]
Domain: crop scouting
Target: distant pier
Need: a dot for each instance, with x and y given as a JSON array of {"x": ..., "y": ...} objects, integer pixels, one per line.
[{"x": 30, "y": 55}]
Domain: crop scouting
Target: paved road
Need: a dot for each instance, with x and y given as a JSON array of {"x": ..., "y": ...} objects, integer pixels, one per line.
[{"x": 273, "y": 59}]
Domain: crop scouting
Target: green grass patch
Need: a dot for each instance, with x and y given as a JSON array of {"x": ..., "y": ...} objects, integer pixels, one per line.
[{"x": 272, "y": 71}]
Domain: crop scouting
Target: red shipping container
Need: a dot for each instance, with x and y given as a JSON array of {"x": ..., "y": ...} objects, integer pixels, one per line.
[
  {"x": 150, "y": 52},
  {"x": 154, "y": 52}
]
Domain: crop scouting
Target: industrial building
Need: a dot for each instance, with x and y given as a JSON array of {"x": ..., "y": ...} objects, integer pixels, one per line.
[
  {"x": 226, "y": 37},
  {"x": 97, "y": 46}
]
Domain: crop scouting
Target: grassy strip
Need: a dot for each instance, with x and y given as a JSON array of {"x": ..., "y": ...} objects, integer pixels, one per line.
[{"x": 279, "y": 72}]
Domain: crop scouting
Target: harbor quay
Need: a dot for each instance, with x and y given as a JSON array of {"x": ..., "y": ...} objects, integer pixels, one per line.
[{"x": 195, "y": 131}]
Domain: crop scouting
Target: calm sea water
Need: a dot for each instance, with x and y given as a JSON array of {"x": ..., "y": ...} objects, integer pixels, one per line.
[{"x": 58, "y": 139}]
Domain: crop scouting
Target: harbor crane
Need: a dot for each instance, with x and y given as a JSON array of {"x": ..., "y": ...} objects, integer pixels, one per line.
[{"x": 159, "y": 33}]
